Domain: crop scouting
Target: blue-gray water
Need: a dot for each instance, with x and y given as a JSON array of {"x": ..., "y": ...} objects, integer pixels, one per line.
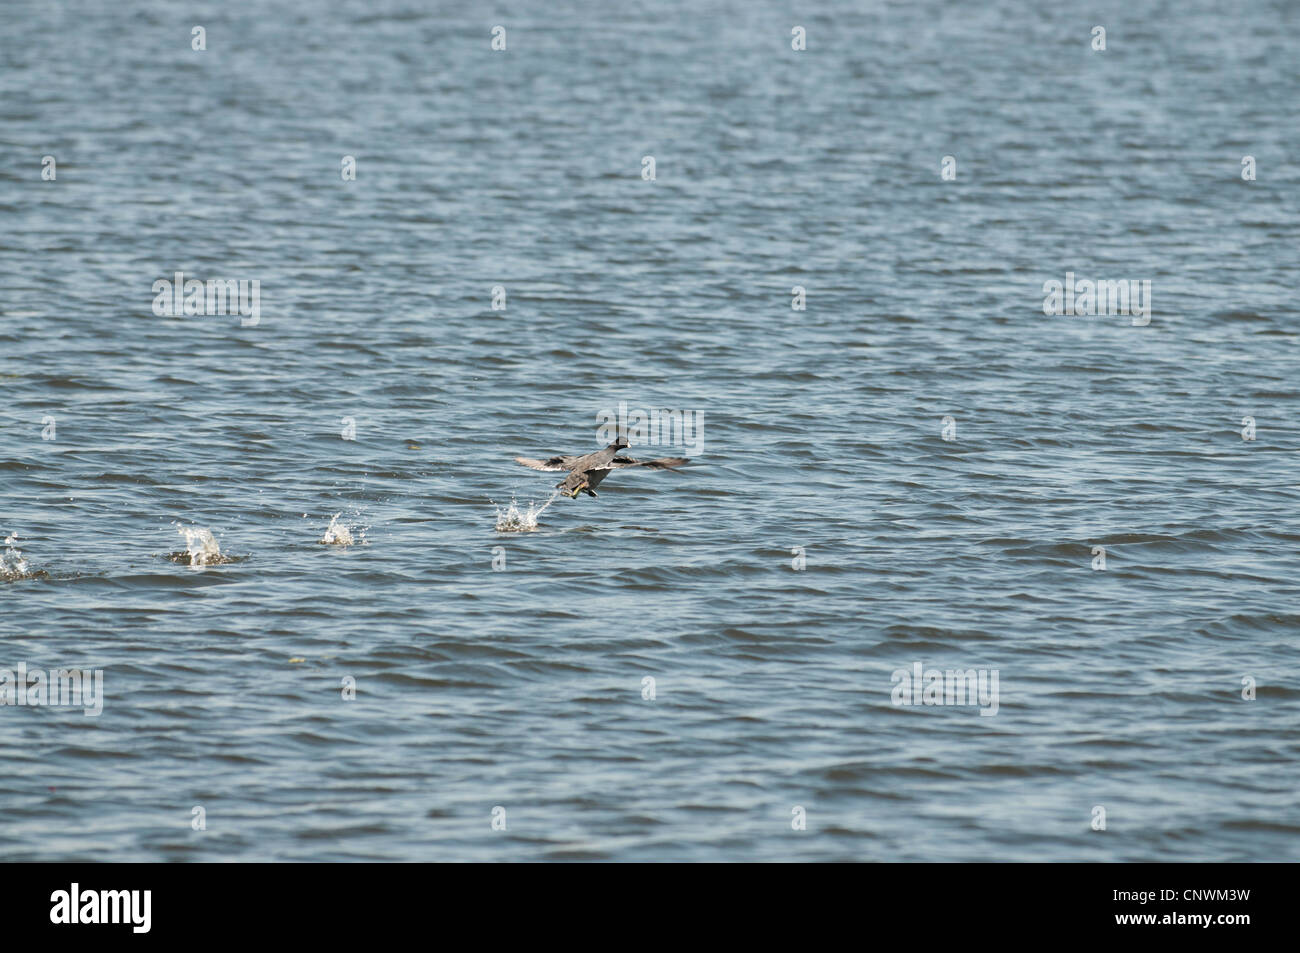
[{"x": 522, "y": 688}]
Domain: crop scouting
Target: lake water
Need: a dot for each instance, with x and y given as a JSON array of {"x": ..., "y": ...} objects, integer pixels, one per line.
[{"x": 648, "y": 675}]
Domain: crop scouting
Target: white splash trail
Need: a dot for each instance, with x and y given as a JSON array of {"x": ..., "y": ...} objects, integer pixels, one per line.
[
  {"x": 338, "y": 534},
  {"x": 12, "y": 563},
  {"x": 515, "y": 520},
  {"x": 200, "y": 543}
]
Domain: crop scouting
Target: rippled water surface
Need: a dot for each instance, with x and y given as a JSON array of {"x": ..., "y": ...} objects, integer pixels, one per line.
[{"x": 509, "y": 669}]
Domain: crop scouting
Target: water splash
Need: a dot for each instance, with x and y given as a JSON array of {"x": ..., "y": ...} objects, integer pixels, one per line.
[
  {"x": 13, "y": 565},
  {"x": 515, "y": 520},
  {"x": 201, "y": 547},
  {"x": 340, "y": 534}
]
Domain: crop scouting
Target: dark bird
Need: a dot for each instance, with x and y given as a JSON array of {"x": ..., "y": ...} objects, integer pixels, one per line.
[{"x": 585, "y": 473}]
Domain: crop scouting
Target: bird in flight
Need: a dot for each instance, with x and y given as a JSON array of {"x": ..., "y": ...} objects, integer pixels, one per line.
[{"x": 586, "y": 472}]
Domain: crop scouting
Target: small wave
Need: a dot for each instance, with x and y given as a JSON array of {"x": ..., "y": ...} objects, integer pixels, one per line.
[
  {"x": 514, "y": 520},
  {"x": 13, "y": 565}
]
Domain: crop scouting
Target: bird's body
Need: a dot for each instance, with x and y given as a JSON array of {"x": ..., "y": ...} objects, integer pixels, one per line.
[{"x": 586, "y": 472}]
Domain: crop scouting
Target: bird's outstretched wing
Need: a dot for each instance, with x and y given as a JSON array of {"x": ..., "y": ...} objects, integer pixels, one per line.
[
  {"x": 663, "y": 463},
  {"x": 554, "y": 463}
]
